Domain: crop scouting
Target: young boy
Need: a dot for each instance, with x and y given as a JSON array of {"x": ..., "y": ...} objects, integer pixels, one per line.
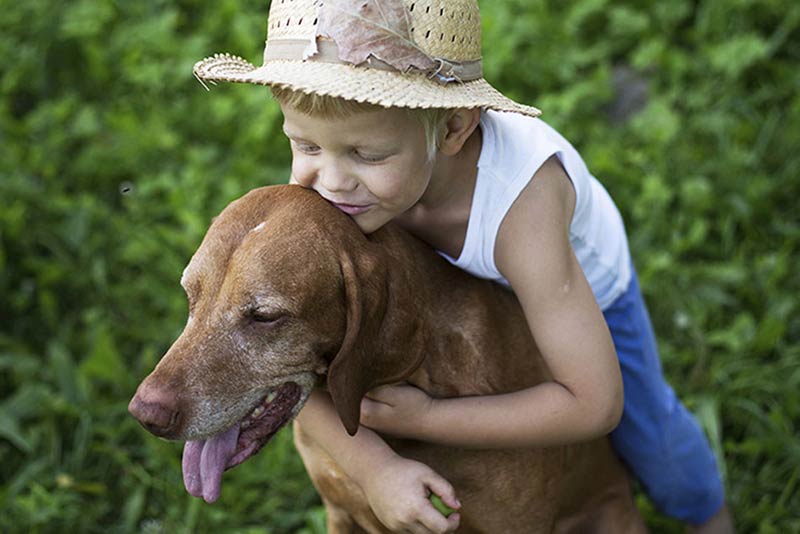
[{"x": 390, "y": 120}]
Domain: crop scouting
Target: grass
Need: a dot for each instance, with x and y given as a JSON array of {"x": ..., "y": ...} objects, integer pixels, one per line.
[{"x": 113, "y": 161}]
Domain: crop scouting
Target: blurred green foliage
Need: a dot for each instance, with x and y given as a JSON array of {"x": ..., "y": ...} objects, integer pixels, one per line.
[{"x": 113, "y": 160}]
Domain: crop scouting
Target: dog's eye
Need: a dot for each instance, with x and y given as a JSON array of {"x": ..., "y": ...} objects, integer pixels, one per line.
[{"x": 259, "y": 316}]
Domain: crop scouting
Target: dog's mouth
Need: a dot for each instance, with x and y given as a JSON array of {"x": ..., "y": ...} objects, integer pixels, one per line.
[{"x": 204, "y": 461}]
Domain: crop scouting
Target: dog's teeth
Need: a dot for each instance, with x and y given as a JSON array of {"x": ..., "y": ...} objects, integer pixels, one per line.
[
  {"x": 257, "y": 411},
  {"x": 271, "y": 396}
]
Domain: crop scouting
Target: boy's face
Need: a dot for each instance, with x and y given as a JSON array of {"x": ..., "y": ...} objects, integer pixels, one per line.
[{"x": 372, "y": 165}]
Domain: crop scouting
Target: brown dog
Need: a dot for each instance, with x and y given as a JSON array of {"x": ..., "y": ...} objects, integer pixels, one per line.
[{"x": 285, "y": 294}]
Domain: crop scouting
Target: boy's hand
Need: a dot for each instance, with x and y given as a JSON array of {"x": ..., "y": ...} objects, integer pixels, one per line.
[
  {"x": 399, "y": 410},
  {"x": 398, "y": 494}
]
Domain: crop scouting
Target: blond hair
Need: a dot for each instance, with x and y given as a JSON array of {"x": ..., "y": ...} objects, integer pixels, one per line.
[{"x": 432, "y": 120}]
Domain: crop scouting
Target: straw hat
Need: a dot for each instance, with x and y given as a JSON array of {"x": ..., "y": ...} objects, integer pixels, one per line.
[{"x": 300, "y": 54}]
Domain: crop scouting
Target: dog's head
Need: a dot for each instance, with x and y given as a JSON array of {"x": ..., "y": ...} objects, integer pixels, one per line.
[{"x": 284, "y": 293}]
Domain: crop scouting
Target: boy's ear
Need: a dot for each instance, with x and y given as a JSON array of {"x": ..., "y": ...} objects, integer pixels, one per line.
[{"x": 459, "y": 127}]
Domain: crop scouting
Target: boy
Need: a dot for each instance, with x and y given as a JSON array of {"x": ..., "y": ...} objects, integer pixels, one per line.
[{"x": 389, "y": 119}]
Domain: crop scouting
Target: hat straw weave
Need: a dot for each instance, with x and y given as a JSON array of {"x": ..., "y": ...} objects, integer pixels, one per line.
[{"x": 449, "y": 31}]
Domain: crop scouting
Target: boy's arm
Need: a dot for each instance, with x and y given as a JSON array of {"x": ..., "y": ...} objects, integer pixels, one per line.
[
  {"x": 397, "y": 488},
  {"x": 584, "y": 399}
]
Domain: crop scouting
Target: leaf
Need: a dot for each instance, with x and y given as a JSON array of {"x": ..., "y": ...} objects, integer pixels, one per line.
[
  {"x": 10, "y": 430},
  {"x": 440, "y": 506},
  {"x": 377, "y": 28}
]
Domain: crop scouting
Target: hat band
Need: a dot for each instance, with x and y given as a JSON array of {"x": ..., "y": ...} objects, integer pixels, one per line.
[{"x": 327, "y": 52}]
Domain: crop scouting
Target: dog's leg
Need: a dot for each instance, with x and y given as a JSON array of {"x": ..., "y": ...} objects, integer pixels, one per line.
[
  {"x": 613, "y": 511},
  {"x": 339, "y": 521},
  {"x": 346, "y": 505}
]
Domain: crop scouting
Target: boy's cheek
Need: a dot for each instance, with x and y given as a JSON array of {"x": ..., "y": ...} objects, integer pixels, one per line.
[
  {"x": 301, "y": 175},
  {"x": 301, "y": 183}
]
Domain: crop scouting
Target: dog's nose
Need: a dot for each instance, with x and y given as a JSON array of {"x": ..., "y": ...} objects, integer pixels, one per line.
[{"x": 156, "y": 411}]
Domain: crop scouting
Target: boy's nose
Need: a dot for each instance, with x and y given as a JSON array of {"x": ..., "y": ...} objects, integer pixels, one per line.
[{"x": 335, "y": 180}]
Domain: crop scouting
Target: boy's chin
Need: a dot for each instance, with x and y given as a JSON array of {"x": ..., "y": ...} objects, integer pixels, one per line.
[
  {"x": 368, "y": 222},
  {"x": 368, "y": 228}
]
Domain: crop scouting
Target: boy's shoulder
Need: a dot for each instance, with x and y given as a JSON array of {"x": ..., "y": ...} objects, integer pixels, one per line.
[{"x": 513, "y": 142}]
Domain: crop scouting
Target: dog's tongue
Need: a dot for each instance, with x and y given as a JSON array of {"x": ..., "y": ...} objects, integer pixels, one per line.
[{"x": 204, "y": 462}]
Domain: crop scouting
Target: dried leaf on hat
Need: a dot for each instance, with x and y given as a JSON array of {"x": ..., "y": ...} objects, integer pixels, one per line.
[{"x": 377, "y": 28}]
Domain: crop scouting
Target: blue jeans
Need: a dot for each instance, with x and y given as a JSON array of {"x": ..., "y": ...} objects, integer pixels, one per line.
[{"x": 657, "y": 438}]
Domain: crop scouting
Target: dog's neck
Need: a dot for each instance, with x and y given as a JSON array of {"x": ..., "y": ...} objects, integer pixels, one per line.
[{"x": 462, "y": 320}]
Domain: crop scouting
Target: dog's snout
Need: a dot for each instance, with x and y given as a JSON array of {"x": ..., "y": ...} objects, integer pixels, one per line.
[{"x": 157, "y": 411}]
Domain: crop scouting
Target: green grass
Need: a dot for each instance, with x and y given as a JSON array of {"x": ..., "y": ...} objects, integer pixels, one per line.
[{"x": 113, "y": 160}]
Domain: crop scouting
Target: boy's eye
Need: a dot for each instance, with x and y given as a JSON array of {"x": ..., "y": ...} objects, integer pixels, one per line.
[
  {"x": 306, "y": 148},
  {"x": 370, "y": 158}
]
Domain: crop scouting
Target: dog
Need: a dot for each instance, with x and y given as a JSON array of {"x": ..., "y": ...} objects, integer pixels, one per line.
[{"x": 287, "y": 294}]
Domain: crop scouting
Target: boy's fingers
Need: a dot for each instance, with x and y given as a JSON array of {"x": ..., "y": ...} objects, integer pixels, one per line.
[
  {"x": 443, "y": 489},
  {"x": 432, "y": 521},
  {"x": 453, "y": 521},
  {"x": 372, "y": 412},
  {"x": 367, "y": 407},
  {"x": 437, "y": 524},
  {"x": 382, "y": 394}
]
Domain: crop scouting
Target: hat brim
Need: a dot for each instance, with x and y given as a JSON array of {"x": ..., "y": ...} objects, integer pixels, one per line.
[{"x": 388, "y": 89}]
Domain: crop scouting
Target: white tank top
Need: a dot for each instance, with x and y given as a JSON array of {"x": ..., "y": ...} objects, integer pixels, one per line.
[{"x": 514, "y": 147}]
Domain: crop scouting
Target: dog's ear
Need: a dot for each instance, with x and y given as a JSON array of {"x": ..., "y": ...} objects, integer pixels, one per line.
[{"x": 383, "y": 341}]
